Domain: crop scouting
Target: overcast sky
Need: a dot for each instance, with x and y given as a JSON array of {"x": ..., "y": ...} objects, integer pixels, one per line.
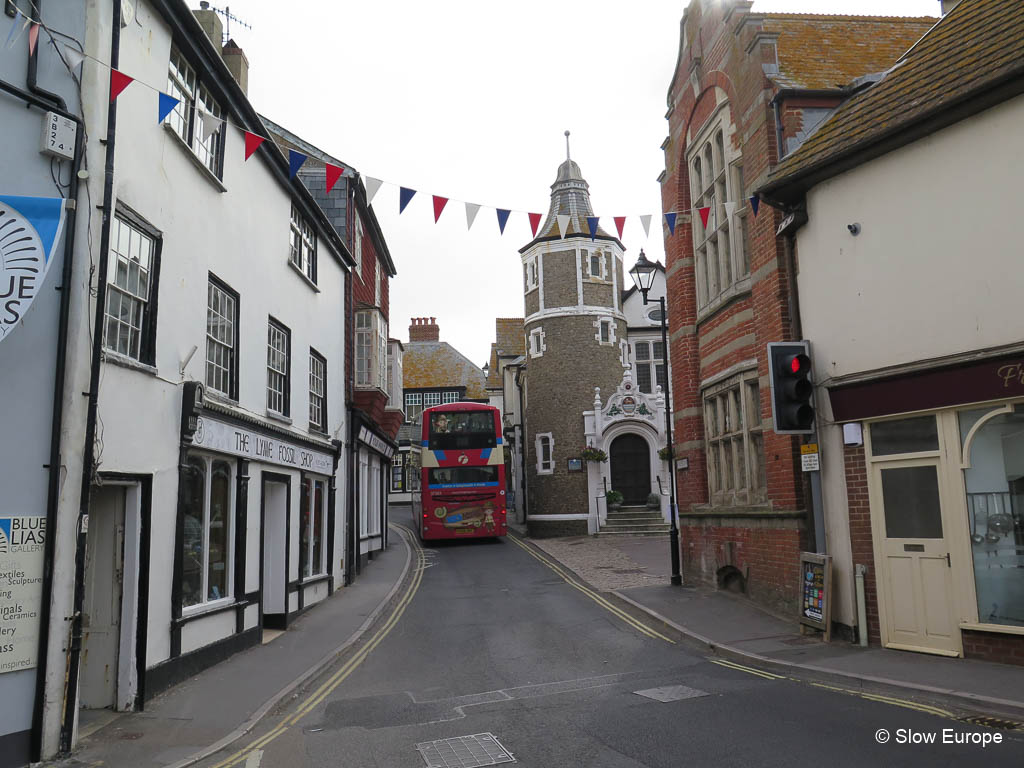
[{"x": 470, "y": 100}]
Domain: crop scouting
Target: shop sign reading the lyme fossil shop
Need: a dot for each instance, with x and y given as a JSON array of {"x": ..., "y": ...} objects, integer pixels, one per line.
[{"x": 239, "y": 441}]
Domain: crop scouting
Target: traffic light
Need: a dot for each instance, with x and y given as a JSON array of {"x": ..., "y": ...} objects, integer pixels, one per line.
[{"x": 789, "y": 370}]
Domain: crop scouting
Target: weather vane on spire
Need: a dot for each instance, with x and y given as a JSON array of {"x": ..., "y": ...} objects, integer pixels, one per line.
[{"x": 567, "y": 146}]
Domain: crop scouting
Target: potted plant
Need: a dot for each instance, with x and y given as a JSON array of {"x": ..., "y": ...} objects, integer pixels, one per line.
[
  {"x": 614, "y": 499},
  {"x": 589, "y": 453},
  {"x": 653, "y": 501}
]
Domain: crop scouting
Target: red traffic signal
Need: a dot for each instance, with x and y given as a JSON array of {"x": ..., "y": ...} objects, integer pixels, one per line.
[{"x": 789, "y": 369}]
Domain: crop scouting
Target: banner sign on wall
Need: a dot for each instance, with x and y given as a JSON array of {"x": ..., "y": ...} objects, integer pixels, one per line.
[
  {"x": 22, "y": 539},
  {"x": 29, "y": 231},
  {"x": 249, "y": 444}
]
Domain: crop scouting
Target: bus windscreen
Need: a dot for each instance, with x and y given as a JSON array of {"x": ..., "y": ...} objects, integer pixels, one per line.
[{"x": 451, "y": 430}]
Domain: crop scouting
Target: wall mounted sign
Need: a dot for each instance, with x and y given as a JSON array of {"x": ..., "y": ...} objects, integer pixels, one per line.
[
  {"x": 815, "y": 592},
  {"x": 375, "y": 442},
  {"x": 29, "y": 230},
  {"x": 809, "y": 457},
  {"x": 575, "y": 465},
  {"x": 240, "y": 441},
  {"x": 22, "y": 539}
]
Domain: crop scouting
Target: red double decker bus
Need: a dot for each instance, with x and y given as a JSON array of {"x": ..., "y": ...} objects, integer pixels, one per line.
[{"x": 462, "y": 484}]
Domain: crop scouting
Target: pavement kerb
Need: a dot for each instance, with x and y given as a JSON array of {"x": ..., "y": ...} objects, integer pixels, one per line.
[
  {"x": 966, "y": 699},
  {"x": 314, "y": 670}
]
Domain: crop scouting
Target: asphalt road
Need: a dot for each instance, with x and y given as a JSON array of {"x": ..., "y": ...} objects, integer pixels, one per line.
[{"x": 487, "y": 639}]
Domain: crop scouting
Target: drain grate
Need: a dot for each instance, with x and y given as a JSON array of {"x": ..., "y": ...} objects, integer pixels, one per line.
[
  {"x": 464, "y": 752},
  {"x": 671, "y": 693}
]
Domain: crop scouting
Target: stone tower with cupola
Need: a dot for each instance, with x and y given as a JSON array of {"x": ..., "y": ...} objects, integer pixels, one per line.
[{"x": 575, "y": 341}]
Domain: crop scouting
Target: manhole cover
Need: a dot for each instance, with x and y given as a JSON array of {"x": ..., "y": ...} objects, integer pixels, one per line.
[
  {"x": 464, "y": 752},
  {"x": 129, "y": 736},
  {"x": 671, "y": 693}
]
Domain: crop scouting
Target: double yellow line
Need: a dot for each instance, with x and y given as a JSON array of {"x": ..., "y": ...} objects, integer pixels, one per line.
[
  {"x": 572, "y": 582},
  {"x": 347, "y": 669}
]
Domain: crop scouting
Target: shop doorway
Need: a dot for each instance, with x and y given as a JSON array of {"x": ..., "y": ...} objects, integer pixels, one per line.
[
  {"x": 631, "y": 468},
  {"x": 113, "y": 609},
  {"x": 274, "y": 546},
  {"x": 915, "y": 584}
]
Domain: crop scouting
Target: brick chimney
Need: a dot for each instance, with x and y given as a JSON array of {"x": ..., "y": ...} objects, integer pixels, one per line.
[
  {"x": 238, "y": 64},
  {"x": 424, "y": 329},
  {"x": 211, "y": 24}
]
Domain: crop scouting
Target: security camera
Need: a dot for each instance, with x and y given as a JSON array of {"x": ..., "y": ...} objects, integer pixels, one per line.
[{"x": 854, "y": 229}]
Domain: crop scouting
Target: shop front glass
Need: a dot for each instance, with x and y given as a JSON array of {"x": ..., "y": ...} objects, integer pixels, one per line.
[{"x": 995, "y": 511}]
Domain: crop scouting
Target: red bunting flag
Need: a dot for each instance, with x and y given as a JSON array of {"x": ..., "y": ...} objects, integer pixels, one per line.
[
  {"x": 534, "y": 222},
  {"x": 118, "y": 82},
  {"x": 704, "y": 213},
  {"x": 439, "y": 204},
  {"x": 33, "y": 38},
  {"x": 252, "y": 143},
  {"x": 620, "y": 222},
  {"x": 333, "y": 174}
]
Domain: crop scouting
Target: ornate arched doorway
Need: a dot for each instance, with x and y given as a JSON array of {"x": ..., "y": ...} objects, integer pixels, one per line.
[{"x": 631, "y": 468}]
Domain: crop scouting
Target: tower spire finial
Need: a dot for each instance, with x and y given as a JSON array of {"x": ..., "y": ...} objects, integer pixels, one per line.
[{"x": 567, "y": 146}]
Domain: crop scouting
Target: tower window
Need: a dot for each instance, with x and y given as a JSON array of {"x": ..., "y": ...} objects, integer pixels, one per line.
[{"x": 605, "y": 331}]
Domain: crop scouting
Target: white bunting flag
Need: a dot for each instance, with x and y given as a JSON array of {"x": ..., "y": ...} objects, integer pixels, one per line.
[
  {"x": 372, "y": 187},
  {"x": 730, "y": 208},
  {"x": 563, "y": 224},
  {"x": 211, "y": 124},
  {"x": 74, "y": 57},
  {"x": 472, "y": 209},
  {"x": 646, "y": 221}
]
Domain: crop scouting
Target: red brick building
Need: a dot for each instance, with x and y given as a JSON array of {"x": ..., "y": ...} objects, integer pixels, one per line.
[{"x": 748, "y": 88}]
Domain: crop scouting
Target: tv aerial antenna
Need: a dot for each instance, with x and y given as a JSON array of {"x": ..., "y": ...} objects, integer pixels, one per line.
[{"x": 228, "y": 18}]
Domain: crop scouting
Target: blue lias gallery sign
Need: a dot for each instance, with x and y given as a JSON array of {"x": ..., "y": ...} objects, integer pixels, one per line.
[
  {"x": 22, "y": 540},
  {"x": 29, "y": 231}
]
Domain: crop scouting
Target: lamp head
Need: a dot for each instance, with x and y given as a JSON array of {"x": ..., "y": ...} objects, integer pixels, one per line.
[{"x": 643, "y": 274}]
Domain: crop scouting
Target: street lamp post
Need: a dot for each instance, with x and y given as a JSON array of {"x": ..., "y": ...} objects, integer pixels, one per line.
[{"x": 643, "y": 273}]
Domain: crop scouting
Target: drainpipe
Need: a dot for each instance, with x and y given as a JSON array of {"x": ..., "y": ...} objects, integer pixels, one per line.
[
  {"x": 57, "y": 418},
  {"x": 862, "y": 610},
  {"x": 89, "y": 457}
]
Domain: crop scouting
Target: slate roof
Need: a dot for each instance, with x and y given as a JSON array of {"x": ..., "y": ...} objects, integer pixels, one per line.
[
  {"x": 819, "y": 51},
  {"x": 976, "y": 47},
  {"x": 570, "y": 194},
  {"x": 429, "y": 364}
]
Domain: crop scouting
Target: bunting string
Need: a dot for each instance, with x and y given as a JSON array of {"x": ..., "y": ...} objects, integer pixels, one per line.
[{"x": 211, "y": 124}]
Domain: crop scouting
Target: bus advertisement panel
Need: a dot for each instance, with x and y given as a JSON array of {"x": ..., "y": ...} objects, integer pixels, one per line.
[{"x": 462, "y": 486}]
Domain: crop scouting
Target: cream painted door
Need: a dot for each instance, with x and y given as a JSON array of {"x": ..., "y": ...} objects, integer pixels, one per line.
[{"x": 915, "y": 584}]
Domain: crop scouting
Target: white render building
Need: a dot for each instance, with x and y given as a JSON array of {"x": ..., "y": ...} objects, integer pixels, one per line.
[{"x": 216, "y": 412}]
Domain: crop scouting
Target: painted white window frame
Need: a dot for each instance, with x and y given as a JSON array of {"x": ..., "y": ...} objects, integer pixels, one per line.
[
  {"x": 602, "y": 257},
  {"x": 430, "y": 399},
  {"x": 624, "y": 353},
  {"x": 229, "y": 561},
  {"x": 651, "y": 363},
  {"x": 538, "y": 342},
  {"x": 612, "y": 339},
  {"x": 371, "y": 350},
  {"x": 302, "y": 245},
  {"x": 357, "y": 244},
  {"x": 194, "y": 99},
  {"x": 222, "y": 338},
  {"x": 450, "y": 397},
  {"x": 132, "y": 270},
  {"x": 413, "y": 405},
  {"x": 317, "y": 391},
  {"x": 531, "y": 275},
  {"x": 548, "y": 467},
  {"x": 279, "y": 368},
  {"x": 315, "y": 569}
]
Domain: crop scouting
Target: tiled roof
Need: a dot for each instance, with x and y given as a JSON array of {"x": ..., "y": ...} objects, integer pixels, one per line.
[
  {"x": 439, "y": 364},
  {"x": 979, "y": 44},
  {"x": 821, "y": 51},
  {"x": 493, "y": 374},
  {"x": 509, "y": 335}
]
